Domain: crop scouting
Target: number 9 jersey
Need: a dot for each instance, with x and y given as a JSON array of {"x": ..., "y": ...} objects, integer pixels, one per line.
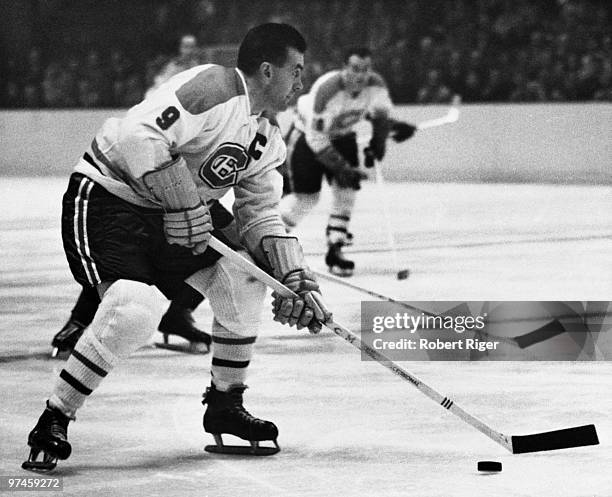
[{"x": 202, "y": 115}]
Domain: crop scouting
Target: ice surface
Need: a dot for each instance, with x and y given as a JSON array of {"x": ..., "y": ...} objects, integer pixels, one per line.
[{"x": 347, "y": 427}]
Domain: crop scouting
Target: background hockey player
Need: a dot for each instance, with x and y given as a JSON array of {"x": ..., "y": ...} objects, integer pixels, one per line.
[
  {"x": 146, "y": 181},
  {"x": 322, "y": 142}
]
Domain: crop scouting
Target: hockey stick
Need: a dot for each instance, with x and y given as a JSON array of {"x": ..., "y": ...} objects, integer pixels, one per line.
[
  {"x": 521, "y": 341},
  {"x": 451, "y": 116},
  {"x": 401, "y": 274},
  {"x": 559, "y": 439}
]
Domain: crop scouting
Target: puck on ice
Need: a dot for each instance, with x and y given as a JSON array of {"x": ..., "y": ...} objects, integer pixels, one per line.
[
  {"x": 492, "y": 466},
  {"x": 403, "y": 274}
]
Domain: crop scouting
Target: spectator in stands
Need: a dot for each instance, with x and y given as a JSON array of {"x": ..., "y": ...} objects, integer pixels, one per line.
[
  {"x": 128, "y": 91},
  {"x": 88, "y": 95},
  {"x": 189, "y": 55},
  {"x": 433, "y": 91},
  {"x": 564, "y": 45},
  {"x": 527, "y": 88},
  {"x": 95, "y": 82},
  {"x": 604, "y": 93},
  {"x": 497, "y": 87},
  {"x": 472, "y": 89},
  {"x": 32, "y": 98},
  {"x": 58, "y": 86}
]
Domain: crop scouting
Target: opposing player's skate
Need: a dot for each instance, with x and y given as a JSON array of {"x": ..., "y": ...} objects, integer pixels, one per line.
[
  {"x": 49, "y": 436},
  {"x": 64, "y": 341},
  {"x": 226, "y": 414},
  {"x": 336, "y": 262},
  {"x": 179, "y": 321}
]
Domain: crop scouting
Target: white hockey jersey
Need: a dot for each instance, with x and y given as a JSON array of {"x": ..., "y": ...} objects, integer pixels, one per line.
[
  {"x": 329, "y": 110},
  {"x": 204, "y": 115}
]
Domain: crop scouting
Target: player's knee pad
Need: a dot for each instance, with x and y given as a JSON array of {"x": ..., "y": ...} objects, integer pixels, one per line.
[
  {"x": 295, "y": 206},
  {"x": 236, "y": 298},
  {"x": 127, "y": 317},
  {"x": 343, "y": 200}
]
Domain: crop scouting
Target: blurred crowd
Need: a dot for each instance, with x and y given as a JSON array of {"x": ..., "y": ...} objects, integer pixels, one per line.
[{"x": 428, "y": 50}]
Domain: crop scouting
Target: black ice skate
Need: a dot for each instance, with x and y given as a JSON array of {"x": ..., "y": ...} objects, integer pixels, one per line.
[
  {"x": 179, "y": 321},
  {"x": 336, "y": 262},
  {"x": 49, "y": 436},
  {"x": 226, "y": 414},
  {"x": 65, "y": 340}
]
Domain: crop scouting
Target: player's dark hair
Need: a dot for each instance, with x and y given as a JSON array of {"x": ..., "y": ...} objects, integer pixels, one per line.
[
  {"x": 359, "y": 51},
  {"x": 268, "y": 43}
]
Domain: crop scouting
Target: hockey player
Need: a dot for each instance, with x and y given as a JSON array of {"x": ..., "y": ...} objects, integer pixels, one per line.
[
  {"x": 135, "y": 215},
  {"x": 189, "y": 55},
  {"x": 322, "y": 141},
  {"x": 177, "y": 320}
]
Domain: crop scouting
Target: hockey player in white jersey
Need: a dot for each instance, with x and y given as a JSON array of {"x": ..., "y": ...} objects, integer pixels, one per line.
[
  {"x": 135, "y": 219},
  {"x": 322, "y": 142}
]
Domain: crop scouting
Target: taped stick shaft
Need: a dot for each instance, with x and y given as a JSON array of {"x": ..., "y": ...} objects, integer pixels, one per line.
[{"x": 380, "y": 183}]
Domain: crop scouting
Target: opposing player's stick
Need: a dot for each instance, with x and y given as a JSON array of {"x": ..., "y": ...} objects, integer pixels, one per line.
[
  {"x": 401, "y": 274},
  {"x": 521, "y": 341},
  {"x": 451, "y": 116},
  {"x": 559, "y": 439}
]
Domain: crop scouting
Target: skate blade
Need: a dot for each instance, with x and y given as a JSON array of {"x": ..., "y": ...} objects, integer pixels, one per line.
[
  {"x": 47, "y": 464},
  {"x": 242, "y": 450},
  {"x": 343, "y": 273},
  {"x": 188, "y": 348}
]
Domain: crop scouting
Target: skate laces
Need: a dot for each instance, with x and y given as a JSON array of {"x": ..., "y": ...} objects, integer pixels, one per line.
[
  {"x": 58, "y": 422},
  {"x": 236, "y": 404}
]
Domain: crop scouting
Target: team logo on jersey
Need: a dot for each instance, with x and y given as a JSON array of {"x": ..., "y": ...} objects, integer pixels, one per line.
[
  {"x": 346, "y": 119},
  {"x": 221, "y": 169}
]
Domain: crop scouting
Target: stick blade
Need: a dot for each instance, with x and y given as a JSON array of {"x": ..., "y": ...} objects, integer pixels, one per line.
[{"x": 554, "y": 440}]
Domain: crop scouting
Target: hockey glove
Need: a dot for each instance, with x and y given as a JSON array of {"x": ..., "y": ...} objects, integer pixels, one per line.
[
  {"x": 380, "y": 132},
  {"x": 401, "y": 130},
  {"x": 189, "y": 227},
  {"x": 345, "y": 175},
  {"x": 286, "y": 260},
  {"x": 309, "y": 310},
  {"x": 186, "y": 219}
]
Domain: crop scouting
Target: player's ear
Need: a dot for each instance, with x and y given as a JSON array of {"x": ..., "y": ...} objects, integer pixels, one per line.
[{"x": 266, "y": 70}]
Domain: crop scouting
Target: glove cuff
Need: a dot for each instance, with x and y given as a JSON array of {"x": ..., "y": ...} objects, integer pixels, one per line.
[{"x": 283, "y": 254}]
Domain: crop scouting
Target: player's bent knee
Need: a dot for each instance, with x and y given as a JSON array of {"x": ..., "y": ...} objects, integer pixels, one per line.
[
  {"x": 128, "y": 316},
  {"x": 236, "y": 298}
]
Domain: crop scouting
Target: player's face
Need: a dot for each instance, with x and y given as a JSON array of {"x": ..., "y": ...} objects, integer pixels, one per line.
[
  {"x": 286, "y": 81},
  {"x": 188, "y": 46},
  {"x": 356, "y": 72}
]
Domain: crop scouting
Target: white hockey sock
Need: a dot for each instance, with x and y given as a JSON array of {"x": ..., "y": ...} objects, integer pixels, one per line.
[
  {"x": 340, "y": 214},
  {"x": 88, "y": 364},
  {"x": 231, "y": 357},
  {"x": 126, "y": 318},
  {"x": 295, "y": 206}
]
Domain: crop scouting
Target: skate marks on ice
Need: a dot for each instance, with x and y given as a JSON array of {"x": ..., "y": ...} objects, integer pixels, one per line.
[{"x": 347, "y": 427}]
